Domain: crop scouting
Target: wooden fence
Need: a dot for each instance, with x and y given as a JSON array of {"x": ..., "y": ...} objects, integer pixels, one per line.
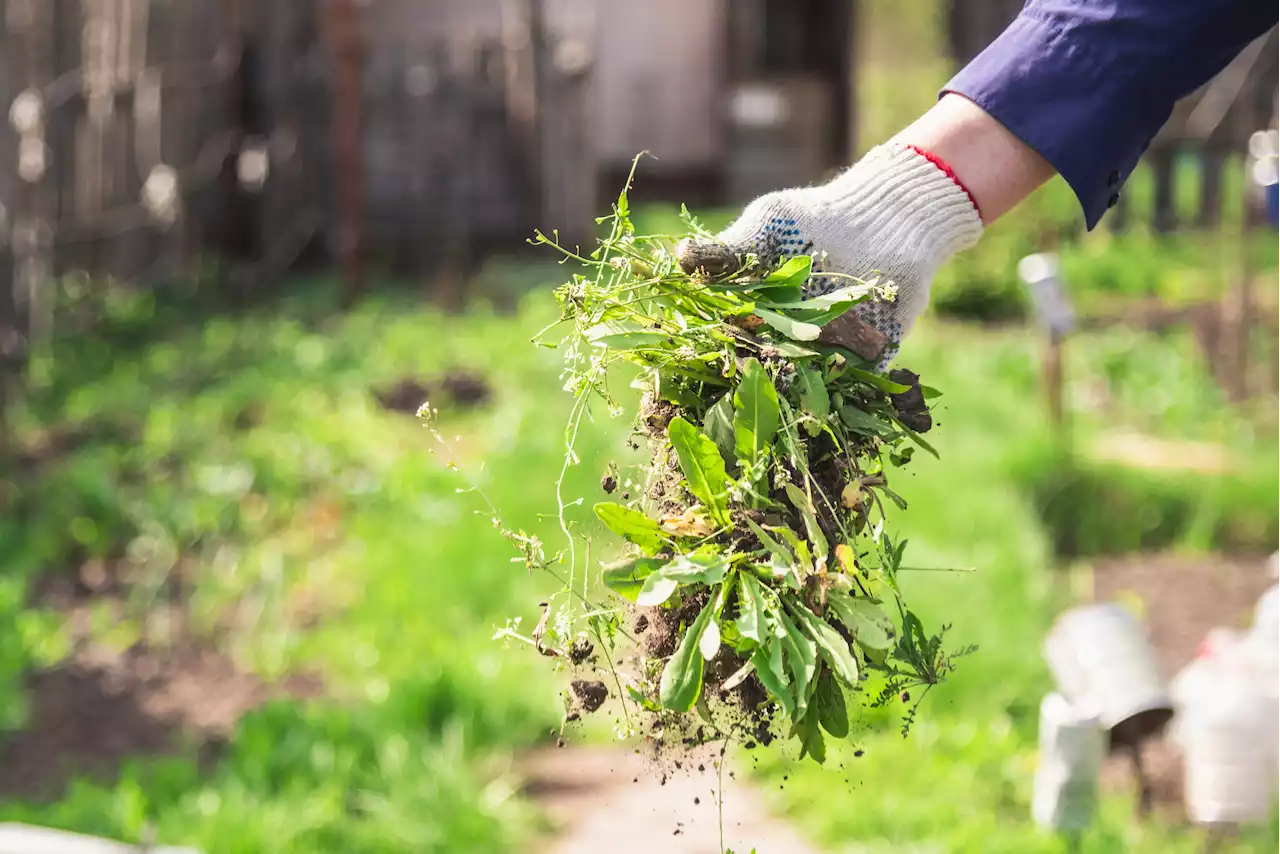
[
  {"x": 142, "y": 136},
  {"x": 474, "y": 136},
  {"x": 135, "y": 143}
]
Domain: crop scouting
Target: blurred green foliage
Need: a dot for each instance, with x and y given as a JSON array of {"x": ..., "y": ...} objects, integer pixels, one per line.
[{"x": 316, "y": 532}]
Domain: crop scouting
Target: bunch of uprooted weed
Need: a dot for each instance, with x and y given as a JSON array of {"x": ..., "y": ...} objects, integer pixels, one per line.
[{"x": 759, "y": 583}]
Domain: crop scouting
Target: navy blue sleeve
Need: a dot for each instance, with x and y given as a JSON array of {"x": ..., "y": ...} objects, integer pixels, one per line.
[{"x": 1088, "y": 83}]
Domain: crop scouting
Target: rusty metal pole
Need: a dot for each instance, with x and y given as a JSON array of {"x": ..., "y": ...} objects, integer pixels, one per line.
[
  {"x": 348, "y": 53},
  {"x": 1054, "y": 381}
]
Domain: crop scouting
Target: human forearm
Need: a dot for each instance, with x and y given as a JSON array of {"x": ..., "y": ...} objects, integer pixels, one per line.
[{"x": 998, "y": 169}]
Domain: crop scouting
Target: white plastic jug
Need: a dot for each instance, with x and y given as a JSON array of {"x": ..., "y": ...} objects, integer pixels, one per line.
[
  {"x": 1220, "y": 646},
  {"x": 1266, "y": 618},
  {"x": 1102, "y": 660},
  {"x": 1226, "y": 734},
  {"x": 1072, "y": 744},
  {"x": 1264, "y": 647}
]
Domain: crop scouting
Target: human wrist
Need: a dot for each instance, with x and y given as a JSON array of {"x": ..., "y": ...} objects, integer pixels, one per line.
[{"x": 997, "y": 167}]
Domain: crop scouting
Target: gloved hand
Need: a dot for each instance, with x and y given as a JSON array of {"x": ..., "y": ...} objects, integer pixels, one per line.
[{"x": 896, "y": 215}]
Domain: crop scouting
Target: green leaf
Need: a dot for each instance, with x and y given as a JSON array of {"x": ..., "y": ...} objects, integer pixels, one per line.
[
  {"x": 751, "y": 622},
  {"x": 643, "y": 701},
  {"x": 812, "y": 743},
  {"x": 803, "y": 556},
  {"x": 793, "y": 272},
  {"x": 929, "y": 392},
  {"x": 814, "y": 398},
  {"x": 833, "y": 648},
  {"x": 796, "y": 330},
  {"x": 802, "y": 503},
  {"x": 755, "y": 412},
  {"x": 656, "y": 590},
  {"x": 719, "y": 426},
  {"x": 786, "y": 571},
  {"x": 802, "y": 657},
  {"x": 832, "y": 712},
  {"x": 777, "y": 294},
  {"x": 704, "y": 709},
  {"x": 841, "y": 299},
  {"x": 792, "y": 350},
  {"x": 790, "y": 437},
  {"x": 885, "y": 384},
  {"x": 702, "y": 465},
  {"x": 626, "y": 336},
  {"x": 768, "y": 663},
  {"x": 667, "y": 388},
  {"x": 685, "y": 569},
  {"x": 871, "y": 627},
  {"x": 917, "y": 438},
  {"x": 630, "y": 524},
  {"x": 627, "y": 577},
  {"x": 681, "y": 682},
  {"x": 775, "y": 548},
  {"x": 893, "y": 496},
  {"x": 709, "y": 643},
  {"x": 864, "y": 423}
]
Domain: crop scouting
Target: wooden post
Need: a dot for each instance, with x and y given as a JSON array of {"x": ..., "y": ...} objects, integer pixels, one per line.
[
  {"x": 1054, "y": 311},
  {"x": 535, "y": 23},
  {"x": 1237, "y": 313},
  {"x": 1118, "y": 216},
  {"x": 1053, "y": 383},
  {"x": 1165, "y": 215},
  {"x": 1238, "y": 307},
  {"x": 1211, "y": 162},
  {"x": 345, "y": 44},
  {"x": 35, "y": 200}
]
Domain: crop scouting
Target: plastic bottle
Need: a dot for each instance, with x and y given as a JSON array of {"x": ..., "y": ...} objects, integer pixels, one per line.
[
  {"x": 1072, "y": 743},
  {"x": 1228, "y": 726},
  {"x": 1197, "y": 678}
]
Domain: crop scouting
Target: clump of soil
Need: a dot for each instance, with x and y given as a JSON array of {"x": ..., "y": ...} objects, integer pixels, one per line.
[
  {"x": 741, "y": 708},
  {"x": 591, "y": 694},
  {"x": 581, "y": 651},
  {"x": 910, "y": 404}
]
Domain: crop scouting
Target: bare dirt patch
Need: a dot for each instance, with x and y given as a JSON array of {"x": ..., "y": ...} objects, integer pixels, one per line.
[
  {"x": 608, "y": 799},
  {"x": 1184, "y": 598},
  {"x": 105, "y": 706},
  {"x": 457, "y": 389}
]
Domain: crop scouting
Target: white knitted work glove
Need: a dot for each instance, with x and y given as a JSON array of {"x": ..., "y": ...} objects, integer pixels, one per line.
[{"x": 896, "y": 215}]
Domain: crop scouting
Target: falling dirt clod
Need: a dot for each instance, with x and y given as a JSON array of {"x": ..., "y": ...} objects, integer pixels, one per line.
[{"x": 590, "y": 694}]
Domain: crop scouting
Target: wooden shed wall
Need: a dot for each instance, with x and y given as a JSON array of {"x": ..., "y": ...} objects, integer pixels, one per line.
[{"x": 660, "y": 82}]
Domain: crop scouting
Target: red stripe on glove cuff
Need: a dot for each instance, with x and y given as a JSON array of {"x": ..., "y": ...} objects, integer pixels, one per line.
[{"x": 951, "y": 173}]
